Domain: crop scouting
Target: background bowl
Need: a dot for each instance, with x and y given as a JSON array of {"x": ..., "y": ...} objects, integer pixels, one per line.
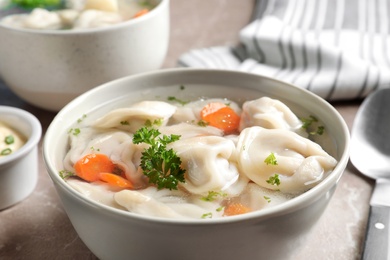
[
  {"x": 19, "y": 170},
  {"x": 50, "y": 68},
  {"x": 271, "y": 233}
]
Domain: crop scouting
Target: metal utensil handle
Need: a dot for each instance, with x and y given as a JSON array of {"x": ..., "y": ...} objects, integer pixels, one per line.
[{"x": 377, "y": 236}]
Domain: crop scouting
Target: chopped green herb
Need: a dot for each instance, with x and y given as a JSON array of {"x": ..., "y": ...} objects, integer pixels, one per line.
[
  {"x": 308, "y": 125},
  {"x": 125, "y": 123},
  {"x": 94, "y": 149},
  {"x": 64, "y": 174},
  {"x": 268, "y": 199},
  {"x": 274, "y": 180},
  {"x": 271, "y": 159},
  {"x": 156, "y": 122},
  {"x": 220, "y": 209},
  {"x": 182, "y": 87},
  {"x": 202, "y": 123},
  {"x": 212, "y": 195},
  {"x": 162, "y": 166},
  {"x": 81, "y": 119},
  {"x": 177, "y": 100},
  {"x": 74, "y": 131},
  {"x": 320, "y": 130},
  {"x": 9, "y": 139},
  {"x": 307, "y": 122},
  {"x": 207, "y": 215},
  {"x": 6, "y": 151}
]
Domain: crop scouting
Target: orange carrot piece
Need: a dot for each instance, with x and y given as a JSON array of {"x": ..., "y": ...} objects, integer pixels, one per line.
[
  {"x": 221, "y": 116},
  {"x": 141, "y": 13},
  {"x": 115, "y": 180},
  {"x": 211, "y": 108},
  {"x": 91, "y": 165},
  {"x": 236, "y": 209}
]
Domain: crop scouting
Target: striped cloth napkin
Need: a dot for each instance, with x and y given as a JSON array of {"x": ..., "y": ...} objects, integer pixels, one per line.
[{"x": 338, "y": 49}]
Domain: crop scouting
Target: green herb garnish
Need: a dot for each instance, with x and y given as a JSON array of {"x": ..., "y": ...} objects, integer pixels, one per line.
[
  {"x": 162, "y": 166},
  {"x": 82, "y": 118},
  {"x": 207, "y": 215},
  {"x": 220, "y": 209},
  {"x": 308, "y": 126},
  {"x": 182, "y": 102},
  {"x": 6, "y": 151},
  {"x": 125, "y": 122},
  {"x": 271, "y": 159},
  {"x": 156, "y": 122},
  {"x": 268, "y": 199},
  {"x": 202, "y": 123},
  {"x": 9, "y": 139},
  {"x": 274, "y": 180},
  {"x": 212, "y": 195},
  {"x": 74, "y": 131},
  {"x": 64, "y": 174}
]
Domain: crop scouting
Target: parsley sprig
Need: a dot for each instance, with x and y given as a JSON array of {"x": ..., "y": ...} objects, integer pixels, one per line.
[{"x": 161, "y": 165}]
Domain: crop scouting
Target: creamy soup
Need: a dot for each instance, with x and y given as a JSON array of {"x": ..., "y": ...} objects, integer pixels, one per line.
[
  {"x": 10, "y": 140},
  {"x": 207, "y": 158},
  {"x": 81, "y": 14}
]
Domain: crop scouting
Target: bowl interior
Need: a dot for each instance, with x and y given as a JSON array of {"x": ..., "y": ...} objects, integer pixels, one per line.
[{"x": 190, "y": 84}]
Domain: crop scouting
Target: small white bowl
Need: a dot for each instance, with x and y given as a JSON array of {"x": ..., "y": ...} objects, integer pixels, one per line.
[
  {"x": 19, "y": 170},
  {"x": 50, "y": 68},
  {"x": 271, "y": 233}
]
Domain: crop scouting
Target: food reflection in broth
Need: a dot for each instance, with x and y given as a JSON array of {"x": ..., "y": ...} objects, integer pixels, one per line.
[
  {"x": 80, "y": 14},
  {"x": 208, "y": 158}
]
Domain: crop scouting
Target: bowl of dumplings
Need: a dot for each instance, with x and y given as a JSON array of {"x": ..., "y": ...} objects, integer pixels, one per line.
[
  {"x": 195, "y": 164},
  {"x": 55, "y": 51}
]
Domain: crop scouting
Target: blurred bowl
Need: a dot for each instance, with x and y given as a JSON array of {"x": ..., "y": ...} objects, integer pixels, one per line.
[
  {"x": 19, "y": 170},
  {"x": 49, "y": 68},
  {"x": 272, "y": 233}
]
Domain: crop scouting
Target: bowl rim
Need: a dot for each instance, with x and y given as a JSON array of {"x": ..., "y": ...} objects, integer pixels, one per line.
[
  {"x": 281, "y": 209},
  {"x": 157, "y": 9},
  {"x": 32, "y": 140}
]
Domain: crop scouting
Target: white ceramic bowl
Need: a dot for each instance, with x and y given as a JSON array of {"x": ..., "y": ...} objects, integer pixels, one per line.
[
  {"x": 50, "y": 68},
  {"x": 267, "y": 234},
  {"x": 19, "y": 170}
]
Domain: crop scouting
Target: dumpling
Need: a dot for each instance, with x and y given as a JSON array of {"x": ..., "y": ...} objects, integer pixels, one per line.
[
  {"x": 269, "y": 113},
  {"x": 300, "y": 163},
  {"x": 256, "y": 197},
  {"x": 96, "y": 191},
  {"x": 134, "y": 117},
  {"x": 117, "y": 145},
  {"x": 166, "y": 203},
  {"x": 209, "y": 165}
]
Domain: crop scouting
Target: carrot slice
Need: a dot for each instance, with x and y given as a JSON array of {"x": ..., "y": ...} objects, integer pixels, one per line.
[
  {"x": 236, "y": 209},
  {"x": 141, "y": 13},
  {"x": 91, "y": 165},
  {"x": 115, "y": 180},
  {"x": 221, "y": 116}
]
